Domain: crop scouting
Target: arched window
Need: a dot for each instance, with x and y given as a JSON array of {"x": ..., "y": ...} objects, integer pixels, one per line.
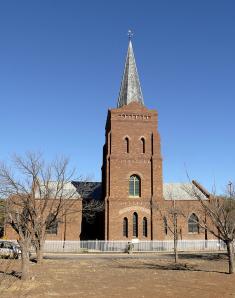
[
  {"x": 134, "y": 186},
  {"x": 110, "y": 143},
  {"x": 142, "y": 140},
  {"x": 193, "y": 224},
  {"x": 127, "y": 145},
  {"x": 51, "y": 225},
  {"x": 152, "y": 143},
  {"x": 125, "y": 227},
  {"x": 165, "y": 225},
  {"x": 145, "y": 227},
  {"x": 135, "y": 224}
]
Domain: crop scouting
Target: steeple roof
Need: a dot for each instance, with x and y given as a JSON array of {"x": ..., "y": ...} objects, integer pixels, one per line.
[{"x": 130, "y": 87}]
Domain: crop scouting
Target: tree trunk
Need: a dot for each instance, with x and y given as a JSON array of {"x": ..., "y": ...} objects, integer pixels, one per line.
[
  {"x": 39, "y": 251},
  {"x": 175, "y": 249},
  {"x": 65, "y": 229},
  {"x": 25, "y": 262},
  {"x": 175, "y": 238},
  {"x": 230, "y": 254}
]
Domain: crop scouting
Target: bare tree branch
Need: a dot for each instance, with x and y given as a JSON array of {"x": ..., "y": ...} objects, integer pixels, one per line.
[
  {"x": 38, "y": 195},
  {"x": 219, "y": 217}
]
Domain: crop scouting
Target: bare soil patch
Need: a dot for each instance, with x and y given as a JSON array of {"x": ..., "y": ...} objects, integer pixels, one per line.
[{"x": 194, "y": 276}]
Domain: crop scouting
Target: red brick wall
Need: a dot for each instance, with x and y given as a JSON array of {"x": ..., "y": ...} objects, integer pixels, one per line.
[
  {"x": 69, "y": 226},
  {"x": 184, "y": 208}
]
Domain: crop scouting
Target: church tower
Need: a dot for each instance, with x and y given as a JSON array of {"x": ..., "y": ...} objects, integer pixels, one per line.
[{"x": 132, "y": 163}]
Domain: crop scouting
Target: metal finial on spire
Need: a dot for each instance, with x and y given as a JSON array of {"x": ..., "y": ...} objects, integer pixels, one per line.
[{"x": 130, "y": 34}]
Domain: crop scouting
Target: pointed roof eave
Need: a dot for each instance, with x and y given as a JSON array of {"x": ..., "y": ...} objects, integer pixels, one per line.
[{"x": 130, "y": 87}]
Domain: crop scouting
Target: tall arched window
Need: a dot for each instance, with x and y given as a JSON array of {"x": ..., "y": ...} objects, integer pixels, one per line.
[
  {"x": 127, "y": 145},
  {"x": 51, "y": 224},
  {"x": 134, "y": 186},
  {"x": 125, "y": 227},
  {"x": 165, "y": 225},
  {"x": 193, "y": 224},
  {"x": 145, "y": 227},
  {"x": 110, "y": 143},
  {"x": 152, "y": 143},
  {"x": 135, "y": 224},
  {"x": 142, "y": 140}
]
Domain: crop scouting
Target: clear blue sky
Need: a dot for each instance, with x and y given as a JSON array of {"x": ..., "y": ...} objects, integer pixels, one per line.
[{"x": 61, "y": 64}]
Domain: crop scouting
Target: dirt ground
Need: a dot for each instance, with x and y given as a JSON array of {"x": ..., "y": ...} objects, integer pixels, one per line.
[{"x": 195, "y": 276}]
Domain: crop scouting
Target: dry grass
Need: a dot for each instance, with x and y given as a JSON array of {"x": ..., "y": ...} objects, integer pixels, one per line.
[{"x": 111, "y": 277}]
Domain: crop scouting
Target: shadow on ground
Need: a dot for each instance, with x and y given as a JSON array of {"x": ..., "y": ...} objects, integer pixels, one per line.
[
  {"x": 208, "y": 257},
  {"x": 11, "y": 273},
  {"x": 172, "y": 266}
]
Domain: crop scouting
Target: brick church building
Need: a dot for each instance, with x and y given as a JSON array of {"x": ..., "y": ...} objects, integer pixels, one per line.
[{"x": 135, "y": 198}]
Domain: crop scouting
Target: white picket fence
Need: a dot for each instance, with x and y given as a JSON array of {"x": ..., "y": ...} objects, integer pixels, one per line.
[{"x": 141, "y": 246}]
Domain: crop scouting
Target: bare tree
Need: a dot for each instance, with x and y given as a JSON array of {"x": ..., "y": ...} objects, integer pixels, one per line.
[
  {"x": 38, "y": 196},
  {"x": 170, "y": 216},
  {"x": 219, "y": 217},
  {"x": 17, "y": 214}
]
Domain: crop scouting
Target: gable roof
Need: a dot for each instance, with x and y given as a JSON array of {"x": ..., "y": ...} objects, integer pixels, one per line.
[
  {"x": 93, "y": 190},
  {"x": 89, "y": 190},
  {"x": 181, "y": 191}
]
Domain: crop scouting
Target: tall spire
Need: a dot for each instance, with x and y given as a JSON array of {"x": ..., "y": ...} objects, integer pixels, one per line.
[{"x": 130, "y": 87}]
